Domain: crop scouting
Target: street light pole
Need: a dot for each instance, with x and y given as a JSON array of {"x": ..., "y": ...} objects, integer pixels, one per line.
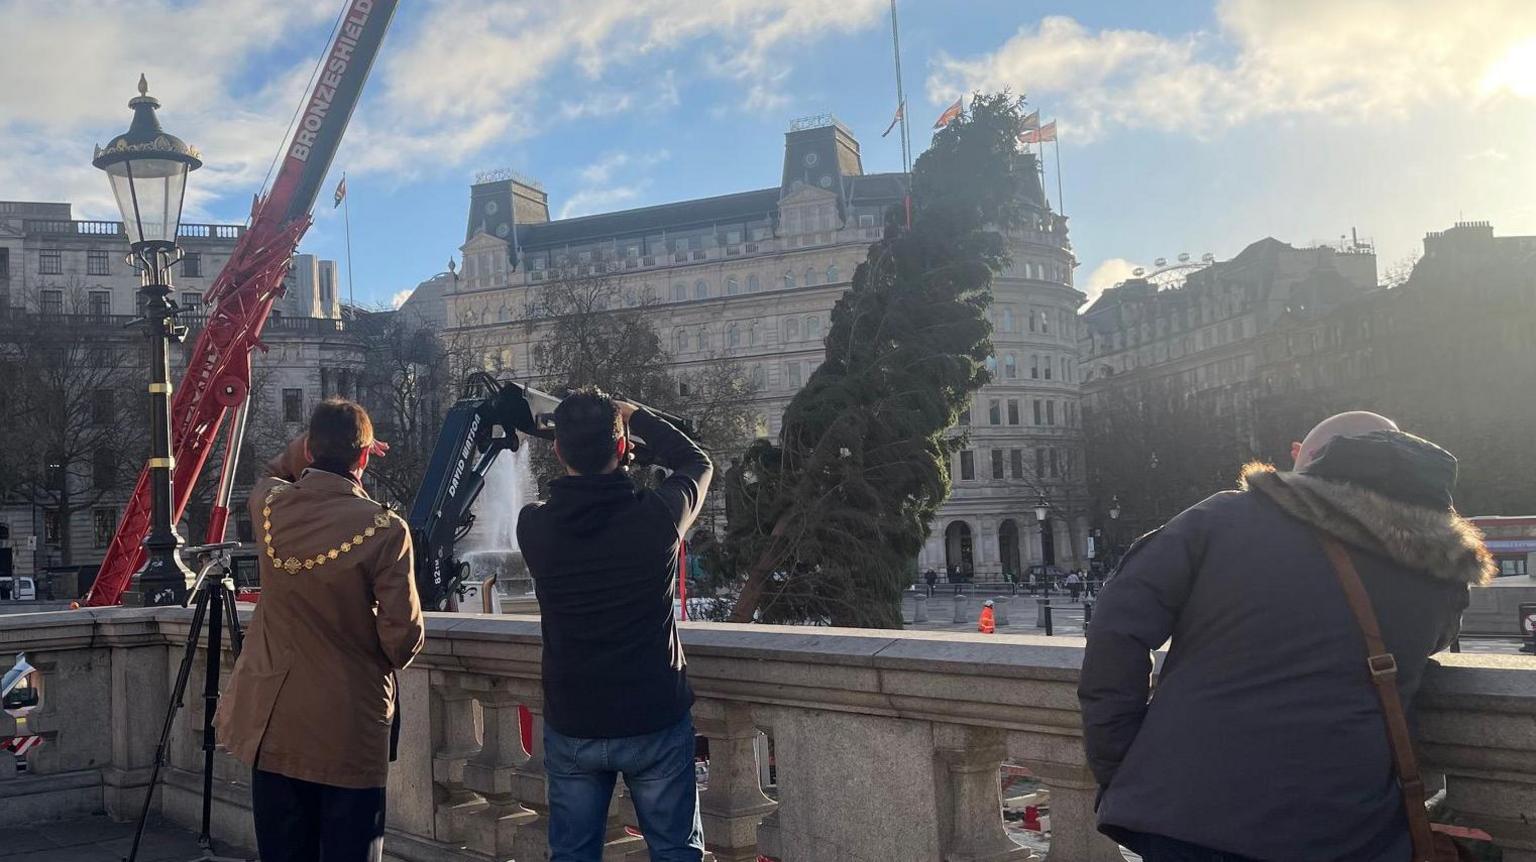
[{"x": 148, "y": 170}]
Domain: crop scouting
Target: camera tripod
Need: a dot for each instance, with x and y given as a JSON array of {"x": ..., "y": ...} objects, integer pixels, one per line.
[{"x": 212, "y": 598}]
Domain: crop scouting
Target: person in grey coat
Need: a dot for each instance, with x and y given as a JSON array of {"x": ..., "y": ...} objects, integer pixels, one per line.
[{"x": 1264, "y": 739}]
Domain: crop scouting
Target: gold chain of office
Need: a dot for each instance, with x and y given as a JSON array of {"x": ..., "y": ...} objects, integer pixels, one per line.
[{"x": 293, "y": 565}]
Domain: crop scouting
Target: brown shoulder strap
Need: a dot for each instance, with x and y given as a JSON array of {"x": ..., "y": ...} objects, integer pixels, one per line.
[{"x": 1383, "y": 669}]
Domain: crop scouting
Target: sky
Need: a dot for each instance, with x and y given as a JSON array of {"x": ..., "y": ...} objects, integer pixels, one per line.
[{"x": 1189, "y": 126}]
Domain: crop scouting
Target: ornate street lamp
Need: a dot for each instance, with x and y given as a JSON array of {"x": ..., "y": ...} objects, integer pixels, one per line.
[
  {"x": 1042, "y": 509},
  {"x": 148, "y": 169},
  {"x": 1114, "y": 508}
]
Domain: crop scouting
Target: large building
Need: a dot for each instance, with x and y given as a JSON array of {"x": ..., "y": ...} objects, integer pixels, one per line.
[
  {"x": 66, "y": 288},
  {"x": 753, "y": 276}
]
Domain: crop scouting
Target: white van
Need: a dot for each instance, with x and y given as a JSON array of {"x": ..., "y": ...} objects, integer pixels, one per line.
[{"x": 20, "y": 589}]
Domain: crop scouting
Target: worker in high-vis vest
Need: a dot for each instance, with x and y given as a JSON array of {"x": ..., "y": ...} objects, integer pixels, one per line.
[{"x": 988, "y": 623}]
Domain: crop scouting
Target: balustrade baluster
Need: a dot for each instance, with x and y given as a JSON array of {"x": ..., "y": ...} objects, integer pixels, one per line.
[
  {"x": 456, "y": 742},
  {"x": 972, "y": 758}
]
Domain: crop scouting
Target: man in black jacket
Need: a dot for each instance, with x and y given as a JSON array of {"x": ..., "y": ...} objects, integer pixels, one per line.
[
  {"x": 604, "y": 560},
  {"x": 1264, "y": 739}
]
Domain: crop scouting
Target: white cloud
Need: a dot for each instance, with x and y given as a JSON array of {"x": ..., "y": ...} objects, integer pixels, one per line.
[
  {"x": 400, "y": 297},
  {"x": 1108, "y": 274},
  {"x": 589, "y": 201},
  {"x": 598, "y": 191},
  {"x": 1346, "y": 62}
]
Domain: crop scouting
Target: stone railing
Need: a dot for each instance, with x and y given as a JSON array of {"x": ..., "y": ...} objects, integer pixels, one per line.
[{"x": 886, "y": 745}]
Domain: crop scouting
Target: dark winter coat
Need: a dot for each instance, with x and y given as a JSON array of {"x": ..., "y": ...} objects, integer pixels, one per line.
[
  {"x": 1264, "y": 737},
  {"x": 604, "y": 559}
]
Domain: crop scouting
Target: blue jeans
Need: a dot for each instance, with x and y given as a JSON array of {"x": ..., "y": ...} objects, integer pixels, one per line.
[{"x": 657, "y": 768}]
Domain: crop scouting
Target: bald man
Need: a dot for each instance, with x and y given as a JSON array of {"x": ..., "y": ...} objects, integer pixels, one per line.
[{"x": 1265, "y": 739}]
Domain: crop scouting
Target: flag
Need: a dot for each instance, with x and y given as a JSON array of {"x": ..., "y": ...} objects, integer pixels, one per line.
[
  {"x": 20, "y": 745},
  {"x": 341, "y": 191},
  {"x": 1032, "y": 121},
  {"x": 1045, "y": 133},
  {"x": 949, "y": 115},
  {"x": 900, "y": 109}
]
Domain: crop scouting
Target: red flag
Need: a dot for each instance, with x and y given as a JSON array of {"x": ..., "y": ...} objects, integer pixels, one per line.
[
  {"x": 1032, "y": 121},
  {"x": 1045, "y": 133},
  {"x": 341, "y": 191},
  {"x": 949, "y": 115},
  {"x": 900, "y": 109}
]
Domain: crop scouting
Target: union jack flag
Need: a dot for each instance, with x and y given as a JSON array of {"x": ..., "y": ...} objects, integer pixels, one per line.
[{"x": 20, "y": 745}]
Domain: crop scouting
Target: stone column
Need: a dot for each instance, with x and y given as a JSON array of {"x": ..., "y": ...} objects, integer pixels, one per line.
[
  {"x": 973, "y": 828},
  {"x": 733, "y": 804},
  {"x": 529, "y": 783},
  {"x": 490, "y": 772},
  {"x": 455, "y": 741},
  {"x": 960, "y": 614},
  {"x": 1075, "y": 834},
  {"x": 139, "y": 692}
]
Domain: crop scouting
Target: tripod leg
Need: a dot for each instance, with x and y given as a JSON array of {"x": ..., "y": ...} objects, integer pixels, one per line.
[
  {"x": 232, "y": 619},
  {"x": 178, "y": 692},
  {"x": 215, "y": 598}
]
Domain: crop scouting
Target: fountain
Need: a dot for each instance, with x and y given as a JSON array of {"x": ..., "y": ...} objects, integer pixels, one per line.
[{"x": 490, "y": 549}]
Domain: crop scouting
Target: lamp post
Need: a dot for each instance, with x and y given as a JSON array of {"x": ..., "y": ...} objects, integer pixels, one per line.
[
  {"x": 148, "y": 170},
  {"x": 1114, "y": 518}
]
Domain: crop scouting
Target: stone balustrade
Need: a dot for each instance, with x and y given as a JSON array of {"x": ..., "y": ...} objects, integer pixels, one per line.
[{"x": 886, "y": 745}]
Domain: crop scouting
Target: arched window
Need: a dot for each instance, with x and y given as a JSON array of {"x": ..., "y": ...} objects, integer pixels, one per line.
[
  {"x": 680, "y": 339},
  {"x": 700, "y": 289},
  {"x": 792, "y": 329},
  {"x": 1010, "y": 366},
  {"x": 789, "y": 278},
  {"x": 732, "y": 287},
  {"x": 810, "y": 276},
  {"x": 703, "y": 339},
  {"x": 1007, "y": 320},
  {"x": 630, "y": 299},
  {"x": 753, "y": 286},
  {"x": 732, "y": 336},
  {"x": 832, "y": 274},
  {"x": 992, "y": 364},
  {"x": 752, "y": 333},
  {"x": 757, "y": 376},
  {"x": 679, "y": 292},
  {"x": 813, "y": 327}
]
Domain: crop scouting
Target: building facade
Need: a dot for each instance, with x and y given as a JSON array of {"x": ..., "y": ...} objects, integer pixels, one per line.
[
  {"x": 67, "y": 291},
  {"x": 753, "y": 276}
]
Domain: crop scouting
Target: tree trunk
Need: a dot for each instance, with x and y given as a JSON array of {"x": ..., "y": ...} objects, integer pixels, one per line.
[{"x": 751, "y": 594}]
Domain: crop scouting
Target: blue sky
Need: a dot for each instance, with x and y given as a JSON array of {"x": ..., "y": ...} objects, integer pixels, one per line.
[{"x": 1189, "y": 126}]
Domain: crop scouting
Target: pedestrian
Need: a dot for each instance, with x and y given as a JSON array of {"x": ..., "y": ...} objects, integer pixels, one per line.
[
  {"x": 1074, "y": 584},
  {"x": 1266, "y": 684},
  {"x": 5, "y": 590},
  {"x": 988, "y": 622},
  {"x": 603, "y": 556},
  {"x": 931, "y": 578},
  {"x": 312, "y": 704}
]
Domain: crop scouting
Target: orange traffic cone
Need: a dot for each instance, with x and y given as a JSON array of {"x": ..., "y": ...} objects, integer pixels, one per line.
[{"x": 988, "y": 623}]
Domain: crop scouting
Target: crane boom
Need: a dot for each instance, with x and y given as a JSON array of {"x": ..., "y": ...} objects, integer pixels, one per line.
[{"x": 218, "y": 377}]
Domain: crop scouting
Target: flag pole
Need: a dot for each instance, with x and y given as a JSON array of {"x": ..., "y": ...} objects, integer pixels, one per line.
[
  {"x": 346, "y": 216},
  {"x": 1061, "y": 203},
  {"x": 901, "y": 107}
]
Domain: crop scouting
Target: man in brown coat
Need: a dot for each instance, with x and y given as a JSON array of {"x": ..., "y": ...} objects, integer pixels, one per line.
[{"x": 311, "y": 701}]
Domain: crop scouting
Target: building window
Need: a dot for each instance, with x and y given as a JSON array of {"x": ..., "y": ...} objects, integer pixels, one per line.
[
  {"x": 51, "y": 301},
  {"x": 792, "y": 329},
  {"x": 1034, "y": 366},
  {"x": 104, "y": 522},
  {"x": 50, "y": 261},
  {"x": 1007, "y": 320},
  {"x": 810, "y": 276},
  {"x": 96, "y": 263},
  {"x": 99, "y": 302},
  {"x": 104, "y": 469},
  {"x": 1511, "y": 566},
  {"x": 293, "y": 405},
  {"x": 789, "y": 278},
  {"x": 967, "y": 464},
  {"x": 1039, "y": 412},
  {"x": 1045, "y": 322},
  {"x": 192, "y": 301},
  {"x": 965, "y": 415},
  {"x": 103, "y": 406},
  {"x": 1047, "y": 368},
  {"x": 757, "y": 377},
  {"x": 1039, "y": 463},
  {"x": 700, "y": 289},
  {"x": 753, "y": 285},
  {"x": 53, "y": 528},
  {"x": 702, "y": 338},
  {"x": 732, "y": 336},
  {"x": 680, "y": 341},
  {"x": 995, "y": 411},
  {"x": 1055, "y": 464},
  {"x": 1050, "y": 412},
  {"x": 192, "y": 264},
  {"x": 813, "y": 327},
  {"x": 997, "y": 463},
  {"x": 732, "y": 287},
  {"x": 792, "y": 373},
  {"x": 1013, "y": 411},
  {"x": 832, "y": 274},
  {"x": 1010, "y": 366},
  {"x": 679, "y": 292},
  {"x": 1016, "y": 462},
  {"x": 1031, "y": 320}
]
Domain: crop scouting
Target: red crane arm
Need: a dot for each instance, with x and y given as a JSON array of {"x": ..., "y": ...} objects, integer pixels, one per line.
[{"x": 219, "y": 366}]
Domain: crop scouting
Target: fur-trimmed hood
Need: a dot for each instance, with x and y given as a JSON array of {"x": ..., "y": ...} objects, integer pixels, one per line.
[{"x": 1438, "y": 542}]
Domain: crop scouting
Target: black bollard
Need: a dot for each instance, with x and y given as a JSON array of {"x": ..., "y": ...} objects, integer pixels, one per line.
[
  {"x": 1049, "y": 629},
  {"x": 1087, "y": 614}
]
